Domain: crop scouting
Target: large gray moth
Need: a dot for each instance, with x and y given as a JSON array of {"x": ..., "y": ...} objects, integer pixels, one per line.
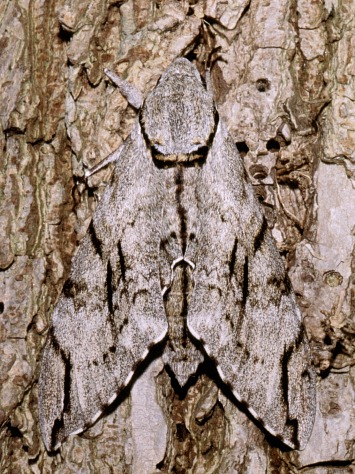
[{"x": 178, "y": 252}]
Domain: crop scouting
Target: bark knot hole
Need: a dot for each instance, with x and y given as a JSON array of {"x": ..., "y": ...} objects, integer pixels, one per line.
[{"x": 263, "y": 84}]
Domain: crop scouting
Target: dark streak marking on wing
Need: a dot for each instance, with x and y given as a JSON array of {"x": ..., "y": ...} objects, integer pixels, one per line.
[
  {"x": 285, "y": 359},
  {"x": 109, "y": 287},
  {"x": 233, "y": 258},
  {"x": 122, "y": 262},
  {"x": 59, "y": 422},
  {"x": 96, "y": 242},
  {"x": 245, "y": 281}
]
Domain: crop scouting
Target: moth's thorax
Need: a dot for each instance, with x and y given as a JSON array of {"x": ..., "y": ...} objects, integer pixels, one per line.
[
  {"x": 179, "y": 211},
  {"x": 178, "y": 117}
]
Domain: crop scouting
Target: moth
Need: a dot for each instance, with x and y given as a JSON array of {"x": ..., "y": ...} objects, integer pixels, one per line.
[{"x": 179, "y": 253}]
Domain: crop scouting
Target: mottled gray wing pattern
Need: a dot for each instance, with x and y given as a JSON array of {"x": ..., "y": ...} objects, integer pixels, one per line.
[
  {"x": 243, "y": 308},
  {"x": 111, "y": 310}
]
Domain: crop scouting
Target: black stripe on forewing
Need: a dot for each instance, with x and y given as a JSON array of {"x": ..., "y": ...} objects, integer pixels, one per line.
[
  {"x": 233, "y": 258},
  {"x": 96, "y": 242},
  {"x": 109, "y": 287},
  {"x": 59, "y": 422},
  {"x": 285, "y": 361},
  {"x": 259, "y": 239},
  {"x": 245, "y": 288},
  {"x": 122, "y": 261},
  {"x": 111, "y": 284}
]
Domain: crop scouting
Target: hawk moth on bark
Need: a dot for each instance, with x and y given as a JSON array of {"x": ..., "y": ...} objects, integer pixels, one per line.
[{"x": 178, "y": 252}]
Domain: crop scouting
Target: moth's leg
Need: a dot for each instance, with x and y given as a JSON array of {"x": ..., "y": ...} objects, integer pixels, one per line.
[
  {"x": 132, "y": 94},
  {"x": 209, "y": 86},
  {"x": 114, "y": 156},
  {"x": 213, "y": 57}
]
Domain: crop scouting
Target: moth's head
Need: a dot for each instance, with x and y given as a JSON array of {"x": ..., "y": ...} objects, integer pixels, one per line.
[{"x": 178, "y": 116}]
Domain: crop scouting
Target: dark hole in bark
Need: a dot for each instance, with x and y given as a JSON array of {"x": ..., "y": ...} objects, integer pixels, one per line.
[
  {"x": 181, "y": 432},
  {"x": 273, "y": 145},
  {"x": 160, "y": 464},
  {"x": 191, "y": 56},
  {"x": 65, "y": 35},
  {"x": 262, "y": 85},
  {"x": 243, "y": 148},
  {"x": 14, "y": 431}
]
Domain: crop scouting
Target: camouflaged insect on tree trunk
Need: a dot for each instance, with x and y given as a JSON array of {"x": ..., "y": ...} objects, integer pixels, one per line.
[{"x": 284, "y": 82}]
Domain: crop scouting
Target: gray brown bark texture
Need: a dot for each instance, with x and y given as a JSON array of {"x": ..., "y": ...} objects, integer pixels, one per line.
[{"x": 284, "y": 83}]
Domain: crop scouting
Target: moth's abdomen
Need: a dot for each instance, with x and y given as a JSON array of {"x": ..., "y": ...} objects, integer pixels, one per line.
[{"x": 180, "y": 353}]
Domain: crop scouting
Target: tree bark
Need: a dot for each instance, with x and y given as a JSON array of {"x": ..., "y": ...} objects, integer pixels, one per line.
[{"x": 284, "y": 83}]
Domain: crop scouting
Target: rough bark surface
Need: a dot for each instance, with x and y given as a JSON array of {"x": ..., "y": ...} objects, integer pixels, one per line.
[{"x": 285, "y": 85}]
